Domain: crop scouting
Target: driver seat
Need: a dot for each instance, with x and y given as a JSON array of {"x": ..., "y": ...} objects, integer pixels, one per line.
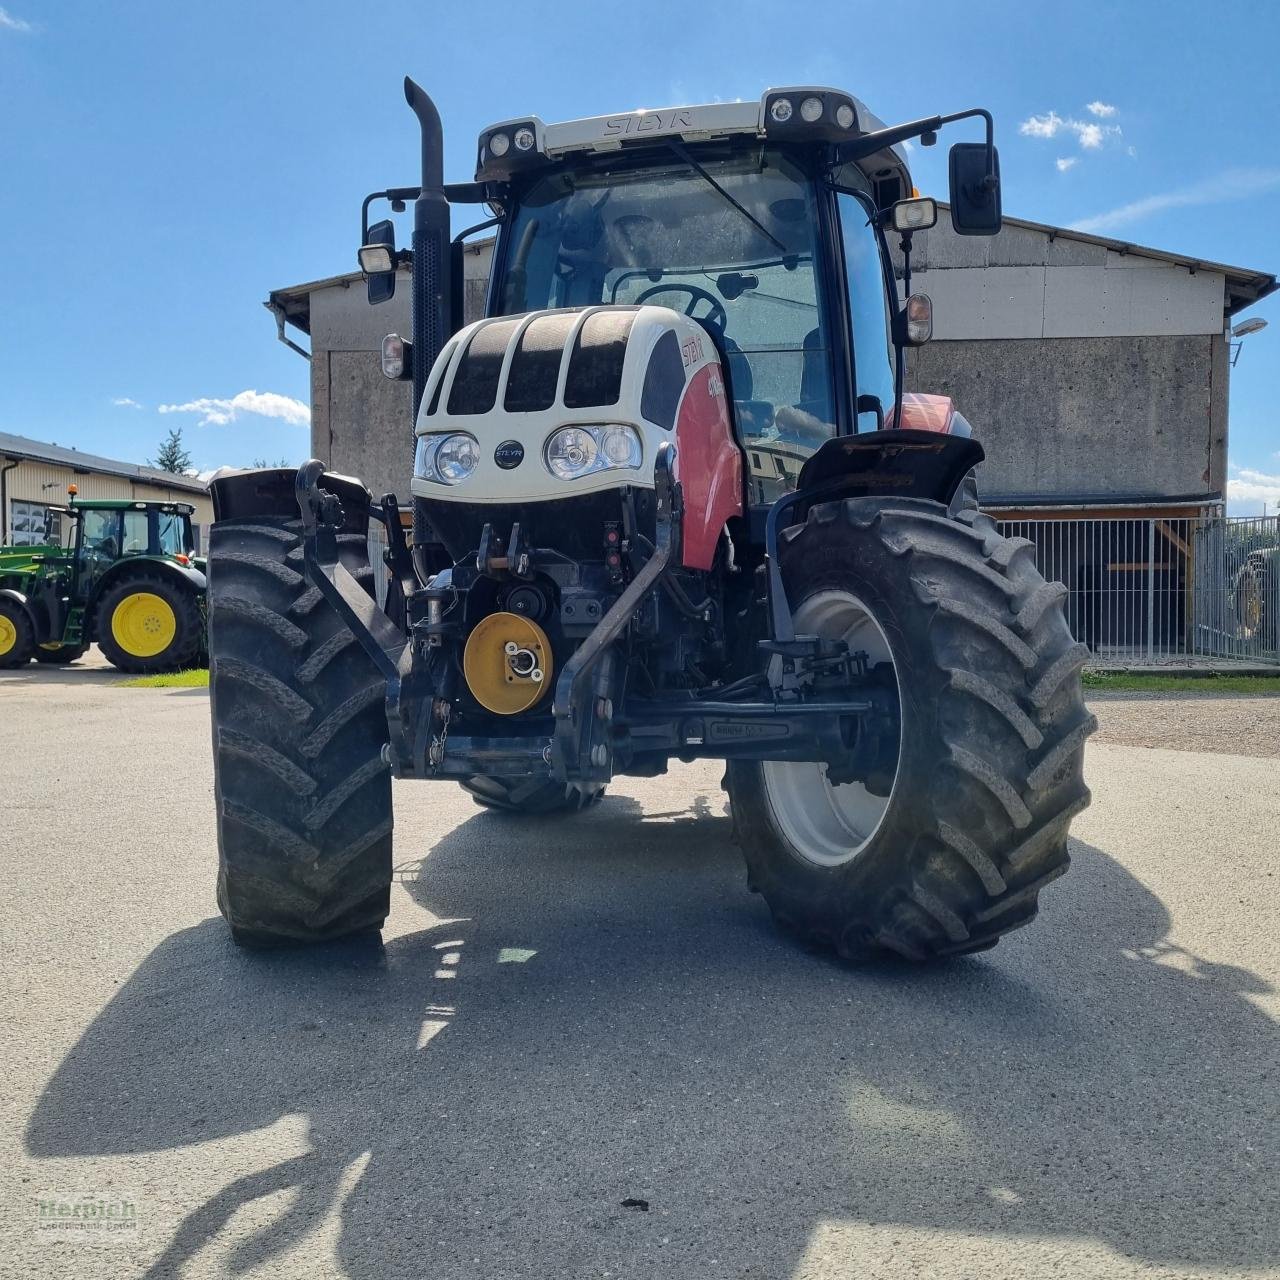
[{"x": 753, "y": 415}]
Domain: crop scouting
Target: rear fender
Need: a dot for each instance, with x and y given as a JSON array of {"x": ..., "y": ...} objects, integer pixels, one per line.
[{"x": 184, "y": 575}]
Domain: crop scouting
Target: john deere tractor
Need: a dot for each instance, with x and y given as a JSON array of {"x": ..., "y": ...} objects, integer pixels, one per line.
[
  {"x": 125, "y": 578},
  {"x": 671, "y": 501}
]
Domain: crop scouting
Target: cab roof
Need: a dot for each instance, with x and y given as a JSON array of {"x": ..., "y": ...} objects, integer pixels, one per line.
[{"x": 786, "y": 114}]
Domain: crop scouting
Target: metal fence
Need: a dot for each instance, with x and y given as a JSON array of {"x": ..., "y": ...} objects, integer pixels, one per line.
[{"x": 1151, "y": 591}]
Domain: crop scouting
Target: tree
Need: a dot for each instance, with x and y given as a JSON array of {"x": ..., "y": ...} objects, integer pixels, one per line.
[
  {"x": 261, "y": 464},
  {"x": 171, "y": 456}
]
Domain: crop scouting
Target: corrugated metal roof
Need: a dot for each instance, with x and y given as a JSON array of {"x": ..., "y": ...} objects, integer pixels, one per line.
[{"x": 20, "y": 447}]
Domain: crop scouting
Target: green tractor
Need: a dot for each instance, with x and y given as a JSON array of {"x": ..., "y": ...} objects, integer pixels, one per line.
[{"x": 125, "y": 578}]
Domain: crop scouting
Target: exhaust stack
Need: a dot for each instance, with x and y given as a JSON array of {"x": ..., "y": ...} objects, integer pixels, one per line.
[{"x": 431, "y": 277}]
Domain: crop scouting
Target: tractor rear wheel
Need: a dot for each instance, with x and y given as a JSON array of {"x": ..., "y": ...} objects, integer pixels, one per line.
[
  {"x": 532, "y": 796},
  {"x": 147, "y": 623},
  {"x": 303, "y": 794},
  {"x": 948, "y": 848},
  {"x": 17, "y": 638}
]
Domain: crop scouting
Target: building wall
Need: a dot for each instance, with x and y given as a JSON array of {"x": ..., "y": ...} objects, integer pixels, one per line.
[
  {"x": 362, "y": 423},
  {"x": 46, "y": 483},
  {"x": 1084, "y": 371}
]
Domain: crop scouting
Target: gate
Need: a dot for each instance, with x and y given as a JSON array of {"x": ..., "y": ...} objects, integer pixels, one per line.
[{"x": 1142, "y": 592}]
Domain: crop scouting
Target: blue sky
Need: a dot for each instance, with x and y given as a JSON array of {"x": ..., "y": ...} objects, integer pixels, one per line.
[{"x": 166, "y": 165}]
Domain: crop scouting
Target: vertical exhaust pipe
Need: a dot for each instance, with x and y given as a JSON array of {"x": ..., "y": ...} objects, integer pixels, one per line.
[{"x": 432, "y": 283}]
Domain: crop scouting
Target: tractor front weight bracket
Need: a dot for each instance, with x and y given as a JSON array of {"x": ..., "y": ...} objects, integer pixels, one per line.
[
  {"x": 386, "y": 644},
  {"x": 580, "y": 745}
]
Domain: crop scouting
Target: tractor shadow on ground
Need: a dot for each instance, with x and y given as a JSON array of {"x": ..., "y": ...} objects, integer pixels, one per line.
[{"x": 602, "y": 1013}]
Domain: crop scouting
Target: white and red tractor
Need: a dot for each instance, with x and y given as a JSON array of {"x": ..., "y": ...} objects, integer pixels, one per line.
[{"x": 670, "y": 501}]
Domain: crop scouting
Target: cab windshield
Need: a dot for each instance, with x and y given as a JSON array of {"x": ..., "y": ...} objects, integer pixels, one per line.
[{"x": 740, "y": 259}]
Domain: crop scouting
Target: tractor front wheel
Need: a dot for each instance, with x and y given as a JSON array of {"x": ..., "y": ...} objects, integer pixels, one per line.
[
  {"x": 946, "y": 845},
  {"x": 147, "y": 623},
  {"x": 303, "y": 794},
  {"x": 17, "y": 640}
]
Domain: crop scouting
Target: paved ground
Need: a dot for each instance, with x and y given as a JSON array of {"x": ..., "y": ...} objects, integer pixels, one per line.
[{"x": 570, "y": 1015}]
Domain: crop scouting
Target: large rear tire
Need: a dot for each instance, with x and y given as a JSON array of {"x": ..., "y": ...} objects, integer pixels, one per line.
[
  {"x": 532, "y": 796},
  {"x": 303, "y": 795},
  {"x": 951, "y": 851},
  {"x": 147, "y": 623}
]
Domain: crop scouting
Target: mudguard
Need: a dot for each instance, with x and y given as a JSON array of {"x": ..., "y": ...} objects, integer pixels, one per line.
[
  {"x": 901, "y": 463},
  {"x": 190, "y": 577},
  {"x": 239, "y": 495}
]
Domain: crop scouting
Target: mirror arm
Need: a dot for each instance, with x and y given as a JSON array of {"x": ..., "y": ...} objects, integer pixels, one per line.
[{"x": 870, "y": 143}]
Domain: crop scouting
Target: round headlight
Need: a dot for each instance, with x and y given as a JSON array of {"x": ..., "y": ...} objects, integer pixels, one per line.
[
  {"x": 811, "y": 110},
  {"x": 620, "y": 446},
  {"x": 499, "y": 144},
  {"x": 781, "y": 110},
  {"x": 524, "y": 139},
  {"x": 456, "y": 458},
  {"x": 844, "y": 116},
  {"x": 571, "y": 452}
]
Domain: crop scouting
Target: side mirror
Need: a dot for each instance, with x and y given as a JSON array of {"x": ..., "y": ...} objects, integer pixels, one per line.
[
  {"x": 975, "y": 193},
  {"x": 377, "y": 258}
]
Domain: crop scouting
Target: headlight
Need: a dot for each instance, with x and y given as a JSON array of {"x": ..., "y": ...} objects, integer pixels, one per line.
[
  {"x": 445, "y": 459},
  {"x": 573, "y": 452}
]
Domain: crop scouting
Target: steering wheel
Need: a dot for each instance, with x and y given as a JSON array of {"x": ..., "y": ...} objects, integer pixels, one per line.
[{"x": 718, "y": 316}]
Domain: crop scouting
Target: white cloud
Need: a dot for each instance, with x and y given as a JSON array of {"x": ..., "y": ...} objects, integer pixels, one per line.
[
  {"x": 1066, "y": 162},
  {"x": 217, "y": 412},
  {"x": 1046, "y": 126},
  {"x": 1253, "y": 486},
  {"x": 1088, "y": 134},
  {"x": 10, "y": 23},
  {"x": 1234, "y": 184},
  {"x": 126, "y": 402},
  {"x": 1103, "y": 110}
]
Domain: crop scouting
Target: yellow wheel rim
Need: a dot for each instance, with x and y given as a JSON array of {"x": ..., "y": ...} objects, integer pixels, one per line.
[
  {"x": 8, "y": 635},
  {"x": 143, "y": 624}
]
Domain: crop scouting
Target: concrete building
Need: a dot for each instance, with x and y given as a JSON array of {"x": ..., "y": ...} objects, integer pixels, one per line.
[
  {"x": 34, "y": 476},
  {"x": 1095, "y": 372},
  {"x": 362, "y": 424}
]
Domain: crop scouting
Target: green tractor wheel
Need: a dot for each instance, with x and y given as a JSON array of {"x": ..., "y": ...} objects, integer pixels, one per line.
[
  {"x": 16, "y": 637},
  {"x": 147, "y": 623}
]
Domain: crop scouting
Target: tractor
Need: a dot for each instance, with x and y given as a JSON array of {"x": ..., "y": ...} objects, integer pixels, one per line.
[
  {"x": 671, "y": 500},
  {"x": 125, "y": 578}
]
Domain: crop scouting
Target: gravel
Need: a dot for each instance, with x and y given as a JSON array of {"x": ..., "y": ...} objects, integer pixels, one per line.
[{"x": 1237, "y": 725}]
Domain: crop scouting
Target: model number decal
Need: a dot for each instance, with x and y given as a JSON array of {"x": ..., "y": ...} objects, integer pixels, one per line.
[{"x": 691, "y": 350}]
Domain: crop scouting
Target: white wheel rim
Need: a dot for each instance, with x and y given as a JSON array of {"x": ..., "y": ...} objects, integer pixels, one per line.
[{"x": 826, "y": 823}]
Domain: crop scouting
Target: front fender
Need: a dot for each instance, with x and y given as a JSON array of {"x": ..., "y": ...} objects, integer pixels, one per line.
[{"x": 898, "y": 463}]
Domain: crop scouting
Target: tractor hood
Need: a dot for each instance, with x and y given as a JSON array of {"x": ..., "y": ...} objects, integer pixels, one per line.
[{"x": 556, "y": 405}]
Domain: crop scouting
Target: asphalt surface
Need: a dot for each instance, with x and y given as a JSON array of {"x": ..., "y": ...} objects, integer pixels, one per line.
[{"x": 572, "y": 1014}]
